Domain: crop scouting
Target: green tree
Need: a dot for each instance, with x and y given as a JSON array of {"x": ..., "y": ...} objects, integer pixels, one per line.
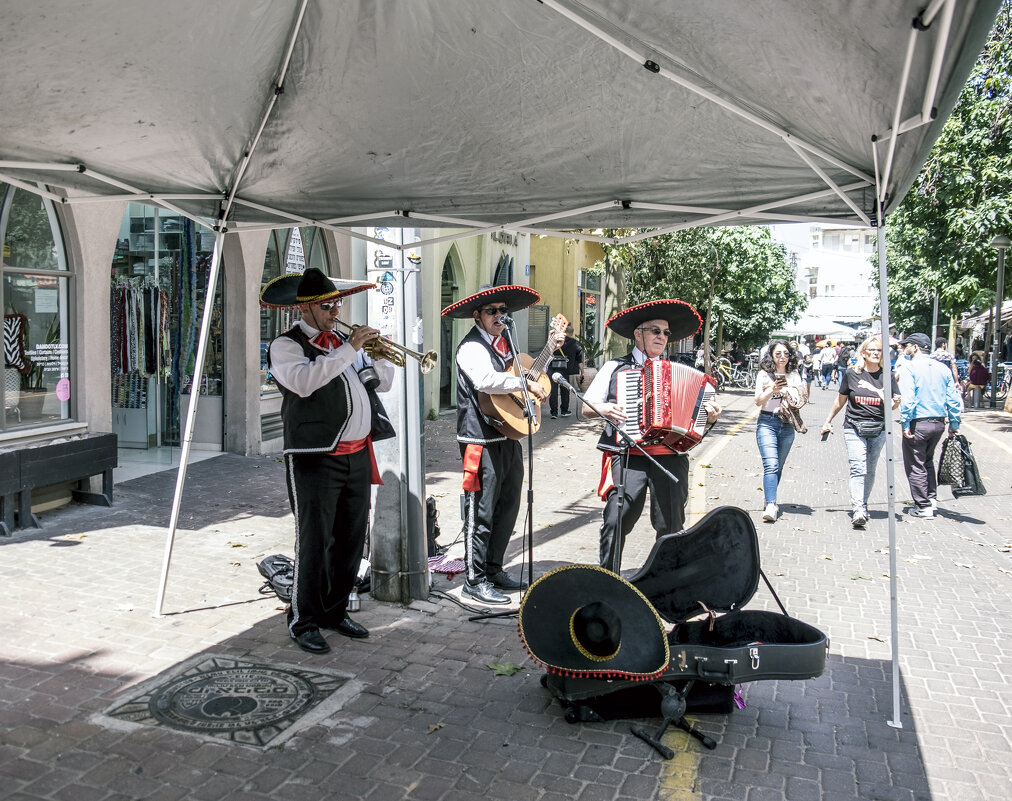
[
  {"x": 738, "y": 279},
  {"x": 938, "y": 238}
]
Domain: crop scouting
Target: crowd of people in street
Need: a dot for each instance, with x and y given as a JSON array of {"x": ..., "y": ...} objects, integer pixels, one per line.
[{"x": 926, "y": 391}]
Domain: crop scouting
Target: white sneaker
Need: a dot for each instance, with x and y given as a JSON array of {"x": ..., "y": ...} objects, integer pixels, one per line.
[
  {"x": 934, "y": 504},
  {"x": 859, "y": 518},
  {"x": 770, "y": 513},
  {"x": 925, "y": 512}
]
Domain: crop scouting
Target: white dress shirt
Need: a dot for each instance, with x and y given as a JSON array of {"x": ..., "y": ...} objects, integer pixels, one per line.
[{"x": 292, "y": 368}]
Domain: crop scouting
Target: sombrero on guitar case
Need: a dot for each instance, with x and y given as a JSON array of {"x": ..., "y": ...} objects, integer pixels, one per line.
[{"x": 699, "y": 581}]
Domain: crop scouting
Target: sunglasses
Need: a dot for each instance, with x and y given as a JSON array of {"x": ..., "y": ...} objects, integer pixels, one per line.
[
  {"x": 331, "y": 304},
  {"x": 657, "y": 331},
  {"x": 874, "y": 350},
  {"x": 497, "y": 310}
]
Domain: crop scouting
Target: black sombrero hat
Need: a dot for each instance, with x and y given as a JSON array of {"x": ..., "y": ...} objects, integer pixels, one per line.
[
  {"x": 585, "y": 621},
  {"x": 312, "y": 286},
  {"x": 682, "y": 318},
  {"x": 515, "y": 296}
]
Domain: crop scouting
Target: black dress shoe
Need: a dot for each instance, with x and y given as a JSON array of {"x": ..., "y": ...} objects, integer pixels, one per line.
[
  {"x": 485, "y": 592},
  {"x": 503, "y": 581},
  {"x": 312, "y": 641},
  {"x": 349, "y": 628}
]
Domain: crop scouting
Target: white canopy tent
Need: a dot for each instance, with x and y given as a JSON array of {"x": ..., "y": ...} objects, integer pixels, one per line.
[
  {"x": 526, "y": 115},
  {"x": 816, "y": 326}
]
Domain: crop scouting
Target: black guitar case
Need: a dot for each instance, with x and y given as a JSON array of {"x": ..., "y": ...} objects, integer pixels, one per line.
[{"x": 711, "y": 569}]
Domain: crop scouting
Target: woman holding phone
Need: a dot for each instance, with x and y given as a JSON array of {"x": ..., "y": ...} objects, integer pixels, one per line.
[
  {"x": 778, "y": 376},
  {"x": 862, "y": 392}
]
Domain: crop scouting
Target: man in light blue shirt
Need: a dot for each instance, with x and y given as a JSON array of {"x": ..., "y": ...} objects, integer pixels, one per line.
[{"x": 929, "y": 399}]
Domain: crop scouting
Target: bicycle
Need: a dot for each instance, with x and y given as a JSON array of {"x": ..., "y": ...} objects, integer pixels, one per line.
[{"x": 1004, "y": 371}]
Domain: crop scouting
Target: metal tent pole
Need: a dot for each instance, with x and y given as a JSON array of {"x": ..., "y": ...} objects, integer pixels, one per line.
[
  {"x": 887, "y": 384},
  {"x": 191, "y": 412}
]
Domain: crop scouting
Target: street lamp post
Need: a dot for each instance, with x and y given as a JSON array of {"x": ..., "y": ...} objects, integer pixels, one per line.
[{"x": 999, "y": 242}]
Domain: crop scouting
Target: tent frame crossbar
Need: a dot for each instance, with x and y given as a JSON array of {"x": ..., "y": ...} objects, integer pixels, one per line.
[{"x": 695, "y": 88}]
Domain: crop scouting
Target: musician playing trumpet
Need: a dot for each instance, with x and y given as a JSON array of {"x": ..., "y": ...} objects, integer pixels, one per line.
[
  {"x": 650, "y": 326},
  {"x": 331, "y": 417}
]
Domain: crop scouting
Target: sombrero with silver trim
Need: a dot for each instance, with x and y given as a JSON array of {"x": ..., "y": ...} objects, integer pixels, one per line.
[
  {"x": 514, "y": 296},
  {"x": 585, "y": 621},
  {"x": 681, "y": 317},
  {"x": 312, "y": 286}
]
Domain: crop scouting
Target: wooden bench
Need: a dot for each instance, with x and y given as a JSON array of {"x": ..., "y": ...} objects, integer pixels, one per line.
[
  {"x": 10, "y": 484},
  {"x": 55, "y": 463}
]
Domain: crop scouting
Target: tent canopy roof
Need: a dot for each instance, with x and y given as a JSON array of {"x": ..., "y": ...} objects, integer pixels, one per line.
[{"x": 473, "y": 114}]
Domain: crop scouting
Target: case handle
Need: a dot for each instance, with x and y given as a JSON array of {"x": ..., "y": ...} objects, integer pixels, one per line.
[{"x": 714, "y": 675}]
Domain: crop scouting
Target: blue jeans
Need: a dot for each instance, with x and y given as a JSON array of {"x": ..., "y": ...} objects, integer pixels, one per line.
[
  {"x": 863, "y": 455},
  {"x": 774, "y": 438}
]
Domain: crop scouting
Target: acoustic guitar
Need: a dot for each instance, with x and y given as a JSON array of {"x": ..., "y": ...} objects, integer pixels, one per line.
[{"x": 506, "y": 412}]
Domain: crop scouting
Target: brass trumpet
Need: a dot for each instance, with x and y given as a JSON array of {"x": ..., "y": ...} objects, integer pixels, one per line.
[{"x": 394, "y": 353}]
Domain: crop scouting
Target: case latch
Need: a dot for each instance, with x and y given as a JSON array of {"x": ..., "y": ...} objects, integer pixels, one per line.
[{"x": 754, "y": 654}]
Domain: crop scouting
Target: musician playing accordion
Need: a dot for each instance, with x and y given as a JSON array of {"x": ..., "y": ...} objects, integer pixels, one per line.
[{"x": 650, "y": 325}]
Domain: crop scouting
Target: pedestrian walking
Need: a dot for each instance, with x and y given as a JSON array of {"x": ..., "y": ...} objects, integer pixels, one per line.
[
  {"x": 928, "y": 398},
  {"x": 863, "y": 394},
  {"x": 778, "y": 377}
]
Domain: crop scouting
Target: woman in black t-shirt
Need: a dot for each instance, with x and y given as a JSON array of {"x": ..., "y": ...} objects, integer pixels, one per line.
[{"x": 861, "y": 391}]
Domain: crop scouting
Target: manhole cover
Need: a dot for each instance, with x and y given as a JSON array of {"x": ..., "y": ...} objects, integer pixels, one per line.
[{"x": 229, "y": 699}]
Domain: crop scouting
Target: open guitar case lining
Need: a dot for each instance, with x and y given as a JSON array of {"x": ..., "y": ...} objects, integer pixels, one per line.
[{"x": 713, "y": 569}]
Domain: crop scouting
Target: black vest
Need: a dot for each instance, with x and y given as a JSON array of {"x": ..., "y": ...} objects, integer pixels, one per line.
[
  {"x": 314, "y": 424},
  {"x": 609, "y": 440},
  {"x": 472, "y": 425}
]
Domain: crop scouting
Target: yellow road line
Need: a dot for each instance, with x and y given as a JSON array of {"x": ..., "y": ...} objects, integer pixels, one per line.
[
  {"x": 979, "y": 432},
  {"x": 697, "y": 476}
]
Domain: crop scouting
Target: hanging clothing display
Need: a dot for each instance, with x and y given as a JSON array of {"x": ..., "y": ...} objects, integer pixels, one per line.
[{"x": 139, "y": 339}]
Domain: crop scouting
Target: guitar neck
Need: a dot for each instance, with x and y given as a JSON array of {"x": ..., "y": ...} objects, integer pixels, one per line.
[{"x": 537, "y": 368}]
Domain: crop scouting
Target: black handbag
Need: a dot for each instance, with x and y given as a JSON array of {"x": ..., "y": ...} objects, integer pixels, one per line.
[
  {"x": 951, "y": 469},
  {"x": 972, "y": 483}
]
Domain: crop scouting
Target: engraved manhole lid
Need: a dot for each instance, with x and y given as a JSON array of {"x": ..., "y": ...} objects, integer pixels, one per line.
[{"x": 235, "y": 700}]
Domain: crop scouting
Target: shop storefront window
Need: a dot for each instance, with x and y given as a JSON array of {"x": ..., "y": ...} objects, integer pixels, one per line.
[
  {"x": 289, "y": 251},
  {"x": 159, "y": 282},
  {"x": 37, "y": 381}
]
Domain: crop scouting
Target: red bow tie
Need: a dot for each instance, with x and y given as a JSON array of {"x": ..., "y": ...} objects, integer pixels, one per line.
[
  {"x": 501, "y": 347},
  {"x": 326, "y": 341}
]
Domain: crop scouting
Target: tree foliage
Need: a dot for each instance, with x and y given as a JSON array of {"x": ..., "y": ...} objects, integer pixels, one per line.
[
  {"x": 744, "y": 271},
  {"x": 938, "y": 239}
]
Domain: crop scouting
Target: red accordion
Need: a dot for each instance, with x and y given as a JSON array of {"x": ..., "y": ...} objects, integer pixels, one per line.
[{"x": 664, "y": 403}]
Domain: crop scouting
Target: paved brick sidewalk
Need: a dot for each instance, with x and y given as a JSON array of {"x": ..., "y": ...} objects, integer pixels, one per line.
[{"x": 432, "y": 722}]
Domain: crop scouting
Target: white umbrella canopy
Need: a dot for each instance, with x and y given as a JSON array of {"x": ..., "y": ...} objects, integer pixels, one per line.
[{"x": 816, "y": 326}]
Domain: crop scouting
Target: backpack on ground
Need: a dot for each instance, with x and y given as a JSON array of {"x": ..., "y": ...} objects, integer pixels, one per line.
[{"x": 279, "y": 572}]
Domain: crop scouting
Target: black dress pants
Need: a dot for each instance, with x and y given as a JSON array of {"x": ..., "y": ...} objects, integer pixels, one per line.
[
  {"x": 330, "y": 497},
  {"x": 491, "y": 512},
  {"x": 667, "y": 500},
  {"x": 919, "y": 458}
]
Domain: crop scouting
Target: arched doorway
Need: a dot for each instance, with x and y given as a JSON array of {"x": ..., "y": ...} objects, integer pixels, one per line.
[{"x": 449, "y": 293}]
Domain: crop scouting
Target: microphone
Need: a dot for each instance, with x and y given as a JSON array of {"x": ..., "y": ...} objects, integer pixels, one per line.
[
  {"x": 504, "y": 319},
  {"x": 558, "y": 378}
]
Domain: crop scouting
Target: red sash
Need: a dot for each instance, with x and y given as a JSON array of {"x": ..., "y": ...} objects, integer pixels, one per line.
[
  {"x": 346, "y": 448},
  {"x": 472, "y": 468}
]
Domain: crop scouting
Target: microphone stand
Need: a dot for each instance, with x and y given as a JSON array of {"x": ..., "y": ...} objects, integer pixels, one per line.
[
  {"x": 616, "y": 543},
  {"x": 530, "y": 412}
]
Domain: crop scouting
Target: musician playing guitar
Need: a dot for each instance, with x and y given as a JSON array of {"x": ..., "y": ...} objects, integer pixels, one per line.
[
  {"x": 650, "y": 326},
  {"x": 493, "y": 462}
]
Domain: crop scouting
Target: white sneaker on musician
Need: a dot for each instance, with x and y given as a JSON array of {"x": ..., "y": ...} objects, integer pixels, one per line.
[
  {"x": 934, "y": 504},
  {"x": 770, "y": 513}
]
